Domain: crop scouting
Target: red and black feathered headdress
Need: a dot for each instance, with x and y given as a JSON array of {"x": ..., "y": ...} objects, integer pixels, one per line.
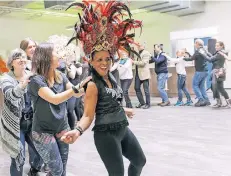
[
  {"x": 3, "y": 67},
  {"x": 102, "y": 26}
]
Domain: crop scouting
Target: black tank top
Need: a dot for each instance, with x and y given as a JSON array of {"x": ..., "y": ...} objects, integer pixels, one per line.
[{"x": 110, "y": 114}]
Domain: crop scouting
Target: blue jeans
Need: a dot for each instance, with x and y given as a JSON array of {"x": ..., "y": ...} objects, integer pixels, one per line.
[
  {"x": 125, "y": 85},
  {"x": 139, "y": 94},
  {"x": 181, "y": 86},
  {"x": 53, "y": 151},
  {"x": 161, "y": 81},
  {"x": 35, "y": 159},
  {"x": 199, "y": 85}
]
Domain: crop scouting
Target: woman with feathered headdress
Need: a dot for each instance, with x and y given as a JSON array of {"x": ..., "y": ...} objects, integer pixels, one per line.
[{"x": 102, "y": 33}]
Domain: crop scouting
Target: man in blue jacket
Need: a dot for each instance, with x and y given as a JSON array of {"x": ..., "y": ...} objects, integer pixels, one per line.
[{"x": 161, "y": 69}]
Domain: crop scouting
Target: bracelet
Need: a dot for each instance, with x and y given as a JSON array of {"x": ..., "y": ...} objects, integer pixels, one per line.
[
  {"x": 78, "y": 86},
  {"x": 75, "y": 89},
  {"x": 79, "y": 129}
]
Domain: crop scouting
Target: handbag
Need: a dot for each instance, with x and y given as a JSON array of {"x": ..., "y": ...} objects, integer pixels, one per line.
[{"x": 221, "y": 74}]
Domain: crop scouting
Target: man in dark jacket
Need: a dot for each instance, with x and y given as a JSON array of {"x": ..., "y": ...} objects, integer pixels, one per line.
[
  {"x": 161, "y": 69},
  {"x": 200, "y": 74}
]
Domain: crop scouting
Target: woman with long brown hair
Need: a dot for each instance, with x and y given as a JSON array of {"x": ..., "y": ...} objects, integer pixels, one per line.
[
  {"x": 218, "y": 74},
  {"x": 28, "y": 45},
  {"x": 50, "y": 89}
]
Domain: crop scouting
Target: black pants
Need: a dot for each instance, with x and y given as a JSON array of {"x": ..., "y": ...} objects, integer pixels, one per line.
[
  {"x": 220, "y": 90},
  {"x": 139, "y": 95},
  {"x": 113, "y": 145},
  {"x": 125, "y": 85},
  {"x": 74, "y": 111}
]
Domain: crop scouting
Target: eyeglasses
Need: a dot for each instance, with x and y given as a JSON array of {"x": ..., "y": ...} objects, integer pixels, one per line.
[{"x": 21, "y": 60}]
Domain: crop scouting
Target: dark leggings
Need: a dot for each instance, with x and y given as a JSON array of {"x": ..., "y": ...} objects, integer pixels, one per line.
[
  {"x": 220, "y": 90},
  {"x": 74, "y": 111},
  {"x": 113, "y": 145}
]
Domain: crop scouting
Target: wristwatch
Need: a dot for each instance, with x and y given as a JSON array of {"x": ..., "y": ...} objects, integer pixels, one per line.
[{"x": 75, "y": 89}]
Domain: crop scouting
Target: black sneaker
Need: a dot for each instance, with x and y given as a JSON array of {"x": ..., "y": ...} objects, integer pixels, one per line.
[
  {"x": 159, "y": 104},
  {"x": 140, "y": 106},
  {"x": 146, "y": 107},
  {"x": 167, "y": 103},
  {"x": 200, "y": 103},
  {"x": 33, "y": 172}
]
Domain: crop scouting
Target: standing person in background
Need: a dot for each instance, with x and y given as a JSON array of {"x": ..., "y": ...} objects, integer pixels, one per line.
[
  {"x": 71, "y": 72},
  {"x": 181, "y": 74},
  {"x": 142, "y": 76},
  {"x": 85, "y": 67},
  {"x": 69, "y": 66},
  {"x": 85, "y": 73},
  {"x": 218, "y": 74},
  {"x": 114, "y": 68},
  {"x": 16, "y": 116},
  {"x": 126, "y": 75},
  {"x": 28, "y": 45},
  {"x": 161, "y": 69},
  {"x": 74, "y": 71},
  {"x": 200, "y": 74}
]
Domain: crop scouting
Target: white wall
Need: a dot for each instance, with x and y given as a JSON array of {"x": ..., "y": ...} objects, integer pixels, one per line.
[
  {"x": 13, "y": 29},
  {"x": 16, "y": 26},
  {"x": 217, "y": 13}
]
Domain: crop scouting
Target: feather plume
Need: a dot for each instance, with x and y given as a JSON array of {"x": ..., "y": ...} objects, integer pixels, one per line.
[
  {"x": 3, "y": 67},
  {"x": 102, "y": 26}
]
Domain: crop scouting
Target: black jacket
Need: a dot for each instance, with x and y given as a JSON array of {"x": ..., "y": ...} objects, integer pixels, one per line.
[
  {"x": 217, "y": 59},
  {"x": 200, "y": 61}
]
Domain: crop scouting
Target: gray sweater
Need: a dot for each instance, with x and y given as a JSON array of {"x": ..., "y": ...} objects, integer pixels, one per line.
[{"x": 10, "y": 116}]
